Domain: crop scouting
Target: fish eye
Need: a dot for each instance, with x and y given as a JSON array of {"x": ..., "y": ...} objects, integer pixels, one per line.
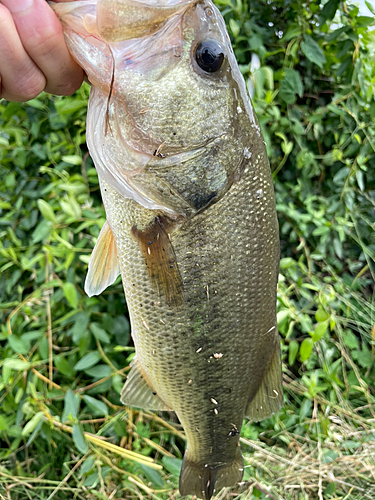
[{"x": 209, "y": 55}]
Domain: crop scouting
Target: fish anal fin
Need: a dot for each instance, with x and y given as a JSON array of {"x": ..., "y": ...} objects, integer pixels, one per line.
[
  {"x": 138, "y": 391},
  {"x": 103, "y": 265},
  {"x": 160, "y": 259},
  {"x": 203, "y": 480},
  {"x": 269, "y": 397}
]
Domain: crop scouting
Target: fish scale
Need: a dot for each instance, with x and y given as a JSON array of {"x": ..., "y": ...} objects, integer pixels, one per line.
[
  {"x": 223, "y": 254},
  {"x": 191, "y": 221}
]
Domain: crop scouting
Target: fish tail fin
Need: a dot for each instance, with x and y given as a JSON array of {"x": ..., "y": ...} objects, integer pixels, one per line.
[{"x": 203, "y": 479}]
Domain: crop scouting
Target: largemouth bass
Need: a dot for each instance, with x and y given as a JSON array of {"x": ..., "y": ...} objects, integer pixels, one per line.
[{"x": 191, "y": 222}]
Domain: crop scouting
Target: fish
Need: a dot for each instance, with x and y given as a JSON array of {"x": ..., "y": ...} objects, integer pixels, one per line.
[{"x": 191, "y": 223}]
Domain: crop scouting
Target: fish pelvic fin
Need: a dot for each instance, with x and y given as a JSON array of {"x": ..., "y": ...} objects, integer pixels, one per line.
[
  {"x": 139, "y": 392},
  {"x": 203, "y": 480},
  {"x": 103, "y": 265},
  {"x": 269, "y": 397}
]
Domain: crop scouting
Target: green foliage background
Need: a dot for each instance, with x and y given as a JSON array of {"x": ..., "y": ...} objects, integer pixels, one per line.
[{"x": 64, "y": 356}]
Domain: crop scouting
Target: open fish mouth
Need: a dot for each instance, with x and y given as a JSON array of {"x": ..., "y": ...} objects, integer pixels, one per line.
[{"x": 119, "y": 20}]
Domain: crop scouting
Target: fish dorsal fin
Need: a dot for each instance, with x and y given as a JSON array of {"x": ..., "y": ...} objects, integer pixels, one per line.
[
  {"x": 138, "y": 392},
  {"x": 103, "y": 266},
  {"x": 269, "y": 397}
]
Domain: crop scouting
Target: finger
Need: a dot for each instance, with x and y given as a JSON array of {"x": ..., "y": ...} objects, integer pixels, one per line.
[
  {"x": 41, "y": 34},
  {"x": 21, "y": 79}
]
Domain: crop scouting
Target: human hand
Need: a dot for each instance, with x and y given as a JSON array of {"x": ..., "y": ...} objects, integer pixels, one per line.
[{"x": 33, "y": 54}]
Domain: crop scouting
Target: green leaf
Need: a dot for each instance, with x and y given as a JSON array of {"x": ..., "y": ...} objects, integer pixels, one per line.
[
  {"x": 87, "y": 465},
  {"x": 3, "y": 424},
  {"x": 329, "y": 11},
  {"x": 88, "y": 361},
  {"x": 80, "y": 326},
  {"x": 18, "y": 345},
  {"x": 330, "y": 491},
  {"x": 306, "y": 349},
  {"x": 329, "y": 456},
  {"x": 290, "y": 86},
  {"x": 364, "y": 21},
  {"x": 92, "y": 480},
  {"x": 117, "y": 383},
  {"x": 350, "y": 339},
  {"x": 99, "y": 371},
  {"x": 99, "y": 333},
  {"x": 17, "y": 364},
  {"x": 319, "y": 331},
  {"x": 71, "y": 295},
  {"x": 43, "y": 347},
  {"x": 370, "y": 6},
  {"x": 64, "y": 366},
  {"x": 98, "y": 407},
  {"x": 79, "y": 439},
  {"x": 319, "y": 231},
  {"x": 363, "y": 357},
  {"x": 292, "y": 352},
  {"x": 312, "y": 51},
  {"x": 42, "y": 231},
  {"x": 292, "y": 31},
  {"x": 46, "y": 210},
  {"x": 71, "y": 406},
  {"x": 173, "y": 465},
  {"x": 305, "y": 410},
  {"x": 121, "y": 330},
  {"x": 235, "y": 27},
  {"x": 152, "y": 475},
  {"x": 36, "y": 104},
  {"x": 31, "y": 424},
  {"x": 66, "y": 107},
  {"x": 72, "y": 159},
  {"x": 321, "y": 315}
]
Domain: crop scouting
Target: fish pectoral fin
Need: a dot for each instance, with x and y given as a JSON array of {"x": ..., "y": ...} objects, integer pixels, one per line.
[
  {"x": 138, "y": 391},
  {"x": 203, "y": 480},
  {"x": 269, "y": 397},
  {"x": 103, "y": 265},
  {"x": 160, "y": 259}
]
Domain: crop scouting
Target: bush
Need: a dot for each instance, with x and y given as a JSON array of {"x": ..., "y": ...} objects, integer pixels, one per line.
[{"x": 311, "y": 72}]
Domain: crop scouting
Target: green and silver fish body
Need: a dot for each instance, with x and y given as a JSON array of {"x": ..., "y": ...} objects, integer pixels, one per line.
[{"x": 191, "y": 221}]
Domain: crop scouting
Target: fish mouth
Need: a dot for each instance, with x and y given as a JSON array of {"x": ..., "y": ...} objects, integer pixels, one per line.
[{"x": 120, "y": 20}]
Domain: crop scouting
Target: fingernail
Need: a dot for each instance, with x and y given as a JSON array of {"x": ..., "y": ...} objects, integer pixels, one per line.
[{"x": 16, "y": 6}]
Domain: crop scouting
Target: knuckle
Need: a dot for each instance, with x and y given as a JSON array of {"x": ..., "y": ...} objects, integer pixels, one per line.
[
  {"x": 5, "y": 17},
  {"x": 29, "y": 86},
  {"x": 69, "y": 81},
  {"x": 43, "y": 42},
  {"x": 69, "y": 87}
]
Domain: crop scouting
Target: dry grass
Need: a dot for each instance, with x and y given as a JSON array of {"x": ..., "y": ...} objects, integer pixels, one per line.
[{"x": 336, "y": 452}]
